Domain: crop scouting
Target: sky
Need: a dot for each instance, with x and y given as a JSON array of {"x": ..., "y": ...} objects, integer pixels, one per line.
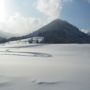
[{"x": 25, "y": 16}]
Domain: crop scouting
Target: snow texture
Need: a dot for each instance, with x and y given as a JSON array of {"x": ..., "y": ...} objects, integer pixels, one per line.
[{"x": 45, "y": 67}]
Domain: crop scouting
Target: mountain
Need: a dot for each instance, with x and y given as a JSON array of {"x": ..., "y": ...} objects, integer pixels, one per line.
[
  {"x": 4, "y": 36},
  {"x": 59, "y": 31}
]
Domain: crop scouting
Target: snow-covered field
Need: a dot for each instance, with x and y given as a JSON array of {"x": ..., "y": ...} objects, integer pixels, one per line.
[{"x": 45, "y": 67}]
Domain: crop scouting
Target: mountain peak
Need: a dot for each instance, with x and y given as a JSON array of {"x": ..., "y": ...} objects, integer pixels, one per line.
[{"x": 57, "y": 21}]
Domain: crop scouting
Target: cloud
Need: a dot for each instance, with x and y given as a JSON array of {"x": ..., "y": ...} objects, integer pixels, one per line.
[
  {"x": 84, "y": 30},
  {"x": 21, "y": 25},
  {"x": 51, "y": 8}
]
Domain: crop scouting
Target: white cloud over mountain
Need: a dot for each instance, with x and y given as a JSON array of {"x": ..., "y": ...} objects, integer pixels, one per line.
[
  {"x": 85, "y": 30},
  {"x": 51, "y": 8},
  {"x": 22, "y": 24}
]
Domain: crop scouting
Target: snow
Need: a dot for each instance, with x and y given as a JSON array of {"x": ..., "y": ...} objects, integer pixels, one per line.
[{"x": 45, "y": 67}]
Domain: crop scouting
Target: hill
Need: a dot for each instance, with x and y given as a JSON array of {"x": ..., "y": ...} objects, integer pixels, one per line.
[{"x": 59, "y": 31}]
